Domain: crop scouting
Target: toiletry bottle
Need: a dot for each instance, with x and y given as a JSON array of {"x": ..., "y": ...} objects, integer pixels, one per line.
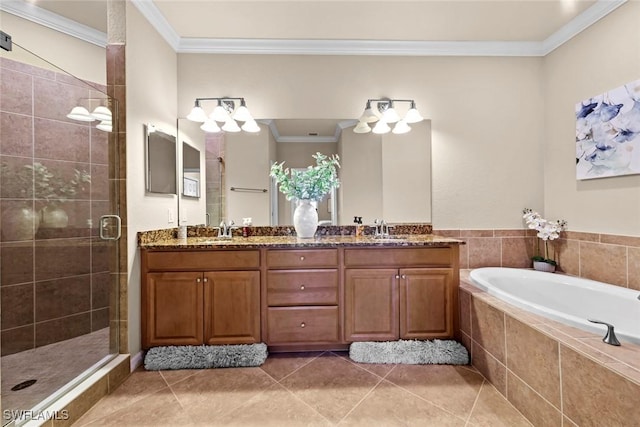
[
  {"x": 359, "y": 226},
  {"x": 246, "y": 223}
]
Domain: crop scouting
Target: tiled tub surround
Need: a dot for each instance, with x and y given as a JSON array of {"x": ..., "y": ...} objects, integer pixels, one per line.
[
  {"x": 54, "y": 286},
  {"x": 606, "y": 258},
  {"x": 554, "y": 374}
]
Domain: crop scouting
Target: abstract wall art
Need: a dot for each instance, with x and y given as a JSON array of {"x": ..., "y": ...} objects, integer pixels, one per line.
[{"x": 608, "y": 133}]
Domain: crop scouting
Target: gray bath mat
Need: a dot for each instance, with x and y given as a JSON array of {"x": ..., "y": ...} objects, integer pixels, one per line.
[
  {"x": 205, "y": 356},
  {"x": 410, "y": 352}
]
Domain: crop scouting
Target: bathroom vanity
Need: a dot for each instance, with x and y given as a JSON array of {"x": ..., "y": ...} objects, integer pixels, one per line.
[{"x": 298, "y": 294}]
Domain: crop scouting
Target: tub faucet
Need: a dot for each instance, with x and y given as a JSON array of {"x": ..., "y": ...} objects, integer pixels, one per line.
[{"x": 610, "y": 336}]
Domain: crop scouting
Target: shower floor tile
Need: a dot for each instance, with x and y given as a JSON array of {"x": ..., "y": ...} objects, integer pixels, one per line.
[
  {"x": 307, "y": 389},
  {"x": 53, "y": 366}
]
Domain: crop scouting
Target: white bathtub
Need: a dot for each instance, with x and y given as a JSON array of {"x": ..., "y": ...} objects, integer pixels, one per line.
[{"x": 567, "y": 299}]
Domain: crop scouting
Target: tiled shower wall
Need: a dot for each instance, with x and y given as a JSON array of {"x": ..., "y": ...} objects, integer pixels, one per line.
[
  {"x": 54, "y": 285},
  {"x": 607, "y": 258}
]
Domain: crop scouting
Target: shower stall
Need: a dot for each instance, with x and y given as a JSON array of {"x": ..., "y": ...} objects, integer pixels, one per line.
[{"x": 59, "y": 226}]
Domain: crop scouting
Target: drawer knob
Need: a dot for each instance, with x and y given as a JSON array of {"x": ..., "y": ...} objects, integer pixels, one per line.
[
  {"x": 302, "y": 258},
  {"x": 397, "y": 276},
  {"x": 198, "y": 280},
  {"x": 302, "y": 287},
  {"x": 302, "y": 325},
  {"x": 404, "y": 276}
]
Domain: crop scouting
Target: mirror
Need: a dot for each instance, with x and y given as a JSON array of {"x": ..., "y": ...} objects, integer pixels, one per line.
[
  {"x": 382, "y": 176},
  {"x": 190, "y": 171},
  {"x": 161, "y": 161}
]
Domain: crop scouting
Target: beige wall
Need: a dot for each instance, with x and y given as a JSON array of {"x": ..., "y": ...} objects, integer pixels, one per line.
[
  {"x": 84, "y": 60},
  {"x": 151, "y": 98},
  {"x": 485, "y": 112},
  {"x": 603, "y": 57}
]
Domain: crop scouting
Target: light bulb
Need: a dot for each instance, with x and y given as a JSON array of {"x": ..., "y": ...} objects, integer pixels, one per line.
[
  {"x": 251, "y": 126},
  {"x": 242, "y": 112},
  {"x": 381, "y": 127},
  {"x": 210, "y": 126},
  {"x": 362, "y": 127},
  {"x": 80, "y": 114},
  {"x": 231, "y": 126},
  {"x": 401, "y": 127}
]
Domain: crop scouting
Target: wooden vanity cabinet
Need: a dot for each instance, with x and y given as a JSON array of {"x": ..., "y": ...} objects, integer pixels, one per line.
[
  {"x": 218, "y": 302},
  {"x": 417, "y": 302},
  {"x": 302, "y": 298}
]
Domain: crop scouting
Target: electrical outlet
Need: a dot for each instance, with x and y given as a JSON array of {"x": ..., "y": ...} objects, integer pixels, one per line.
[{"x": 170, "y": 216}]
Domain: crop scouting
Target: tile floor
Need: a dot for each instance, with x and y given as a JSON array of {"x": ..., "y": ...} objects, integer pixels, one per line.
[
  {"x": 307, "y": 389},
  {"x": 52, "y": 365}
]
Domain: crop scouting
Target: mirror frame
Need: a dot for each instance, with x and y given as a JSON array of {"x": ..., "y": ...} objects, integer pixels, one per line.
[
  {"x": 160, "y": 161},
  {"x": 192, "y": 184}
]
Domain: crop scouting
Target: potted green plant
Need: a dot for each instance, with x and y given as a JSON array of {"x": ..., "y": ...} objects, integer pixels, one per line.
[
  {"x": 547, "y": 231},
  {"x": 306, "y": 187}
]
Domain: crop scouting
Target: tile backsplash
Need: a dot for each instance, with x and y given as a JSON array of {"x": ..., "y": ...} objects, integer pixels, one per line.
[{"x": 608, "y": 258}]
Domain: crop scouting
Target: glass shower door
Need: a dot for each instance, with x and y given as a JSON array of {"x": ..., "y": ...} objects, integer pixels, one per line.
[{"x": 58, "y": 231}]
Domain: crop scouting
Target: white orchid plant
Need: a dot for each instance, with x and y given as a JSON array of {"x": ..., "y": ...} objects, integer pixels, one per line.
[
  {"x": 312, "y": 183},
  {"x": 547, "y": 230}
]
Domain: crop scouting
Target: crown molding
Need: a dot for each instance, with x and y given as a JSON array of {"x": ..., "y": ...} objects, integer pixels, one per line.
[
  {"x": 359, "y": 47},
  {"x": 581, "y": 22},
  {"x": 54, "y": 21},
  {"x": 149, "y": 10},
  {"x": 305, "y": 138}
]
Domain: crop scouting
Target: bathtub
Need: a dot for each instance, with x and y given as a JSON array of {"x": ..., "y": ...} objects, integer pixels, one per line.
[{"x": 567, "y": 299}]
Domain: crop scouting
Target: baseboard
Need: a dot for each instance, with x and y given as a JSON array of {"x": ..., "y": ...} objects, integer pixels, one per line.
[{"x": 137, "y": 360}]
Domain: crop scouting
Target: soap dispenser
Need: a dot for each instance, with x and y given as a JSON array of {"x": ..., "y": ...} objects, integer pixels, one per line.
[{"x": 359, "y": 227}]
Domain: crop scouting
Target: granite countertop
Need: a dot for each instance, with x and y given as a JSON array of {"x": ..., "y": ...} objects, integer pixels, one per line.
[{"x": 330, "y": 241}]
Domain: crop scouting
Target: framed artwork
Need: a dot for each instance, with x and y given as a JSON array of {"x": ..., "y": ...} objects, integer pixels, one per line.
[{"x": 608, "y": 133}]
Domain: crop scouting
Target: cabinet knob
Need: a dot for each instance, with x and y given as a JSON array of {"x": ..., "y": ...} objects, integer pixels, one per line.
[
  {"x": 302, "y": 325},
  {"x": 198, "y": 280},
  {"x": 302, "y": 258},
  {"x": 403, "y": 276},
  {"x": 397, "y": 277},
  {"x": 206, "y": 279},
  {"x": 302, "y": 287}
]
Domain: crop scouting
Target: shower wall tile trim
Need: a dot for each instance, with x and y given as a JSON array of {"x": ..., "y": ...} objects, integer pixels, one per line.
[{"x": 53, "y": 284}]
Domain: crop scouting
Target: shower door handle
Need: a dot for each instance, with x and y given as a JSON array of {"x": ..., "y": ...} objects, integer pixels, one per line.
[{"x": 104, "y": 227}]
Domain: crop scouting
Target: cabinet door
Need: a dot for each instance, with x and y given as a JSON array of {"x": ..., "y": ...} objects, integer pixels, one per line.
[
  {"x": 426, "y": 303},
  {"x": 371, "y": 304},
  {"x": 173, "y": 309},
  {"x": 232, "y": 307}
]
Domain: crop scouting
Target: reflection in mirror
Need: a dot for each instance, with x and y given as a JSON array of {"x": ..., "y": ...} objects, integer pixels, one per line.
[
  {"x": 161, "y": 161},
  {"x": 382, "y": 176},
  {"x": 190, "y": 171}
]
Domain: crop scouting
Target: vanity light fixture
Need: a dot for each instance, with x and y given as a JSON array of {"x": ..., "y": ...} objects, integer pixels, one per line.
[
  {"x": 100, "y": 113},
  {"x": 224, "y": 112},
  {"x": 385, "y": 113}
]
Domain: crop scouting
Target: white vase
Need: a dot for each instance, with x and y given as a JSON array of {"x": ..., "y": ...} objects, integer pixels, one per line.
[
  {"x": 54, "y": 217},
  {"x": 19, "y": 223},
  {"x": 305, "y": 219},
  {"x": 544, "y": 266}
]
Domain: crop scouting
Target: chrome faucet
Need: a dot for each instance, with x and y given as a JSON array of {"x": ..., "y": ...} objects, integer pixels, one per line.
[
  {"x": 226, "y": 231},
  {"x": 381, "y": 229}
]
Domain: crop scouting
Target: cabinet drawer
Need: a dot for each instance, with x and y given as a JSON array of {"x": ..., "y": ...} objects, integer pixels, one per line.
[
  {"x": 302, "y": 325},
  {"x": 398, "y": 257},
  {"x": 302, "y": 287},
  {"x": 203, "y": 260},
  {"x": 307, "y": 258}
]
